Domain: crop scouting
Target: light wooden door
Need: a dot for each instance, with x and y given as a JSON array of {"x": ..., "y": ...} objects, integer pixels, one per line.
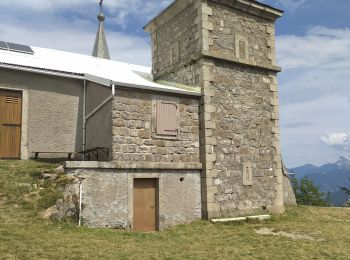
[
  {"x": 145, "y": 205},
  {"x": 10, "y": 124}
]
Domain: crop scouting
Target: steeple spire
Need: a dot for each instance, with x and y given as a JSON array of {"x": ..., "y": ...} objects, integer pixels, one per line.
[{"x": 101, "y": 47}]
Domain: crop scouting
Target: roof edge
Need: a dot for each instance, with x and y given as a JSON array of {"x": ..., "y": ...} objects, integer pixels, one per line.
[
  {"x": 99, "y": 80},
  {"x": 57, "y": 73},
  {"x": 154, "y": 89}
]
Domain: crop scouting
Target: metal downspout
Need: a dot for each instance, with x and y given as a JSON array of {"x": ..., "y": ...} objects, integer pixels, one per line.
[{"x": 84, "y": 115}]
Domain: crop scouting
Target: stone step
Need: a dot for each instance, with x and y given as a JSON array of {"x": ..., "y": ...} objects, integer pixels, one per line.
[{"x": 241, "y": 219}]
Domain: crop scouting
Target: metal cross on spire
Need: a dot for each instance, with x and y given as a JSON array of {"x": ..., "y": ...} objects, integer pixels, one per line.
[{"x": 101, "y": 5}]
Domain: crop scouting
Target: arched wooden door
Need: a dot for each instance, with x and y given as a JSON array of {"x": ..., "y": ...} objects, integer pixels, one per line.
[{"x": 10, "y": 124}]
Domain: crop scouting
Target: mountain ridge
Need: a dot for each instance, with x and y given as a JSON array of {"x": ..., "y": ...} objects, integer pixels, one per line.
[{"x": 330, "y": 178}]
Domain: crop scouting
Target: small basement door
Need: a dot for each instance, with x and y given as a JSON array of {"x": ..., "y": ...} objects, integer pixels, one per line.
[
  {"x": 10, "y": 124},
  {"x": 145, "y": 205}
]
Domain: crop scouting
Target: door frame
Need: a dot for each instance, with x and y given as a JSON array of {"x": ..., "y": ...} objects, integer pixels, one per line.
[
  {"x": 24, "y": 154},
  {"x": 131, "y": 177}
]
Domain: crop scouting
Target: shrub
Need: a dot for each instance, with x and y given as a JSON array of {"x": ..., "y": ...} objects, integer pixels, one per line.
[{"x": 308, "y": 194}]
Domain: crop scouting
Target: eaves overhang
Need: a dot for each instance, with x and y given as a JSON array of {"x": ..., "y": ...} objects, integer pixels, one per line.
[{"x": 98, "y": 80}]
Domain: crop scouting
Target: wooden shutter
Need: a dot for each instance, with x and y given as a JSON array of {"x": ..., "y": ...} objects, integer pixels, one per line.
[{"x": 167, "y": 118}]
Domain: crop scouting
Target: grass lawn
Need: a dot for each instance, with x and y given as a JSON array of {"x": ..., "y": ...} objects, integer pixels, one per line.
[{"x": 24, "y": 236}]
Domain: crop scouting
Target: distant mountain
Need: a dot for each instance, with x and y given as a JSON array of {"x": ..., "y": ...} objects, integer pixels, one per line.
[
  {"x": 306, "y": 169},
  {"x": 329, "y": 178}
]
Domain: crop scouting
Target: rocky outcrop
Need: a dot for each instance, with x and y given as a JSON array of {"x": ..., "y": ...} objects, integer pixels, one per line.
[{"x": 68, "y": 206}]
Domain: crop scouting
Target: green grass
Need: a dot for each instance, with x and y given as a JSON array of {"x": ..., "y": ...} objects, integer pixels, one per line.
[{"x": 24, "y": 236}]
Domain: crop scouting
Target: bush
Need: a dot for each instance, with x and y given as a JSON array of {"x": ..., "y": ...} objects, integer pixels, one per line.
[
  {"x": 308, "y": 194},
  {"x": 49, "y": 197}
]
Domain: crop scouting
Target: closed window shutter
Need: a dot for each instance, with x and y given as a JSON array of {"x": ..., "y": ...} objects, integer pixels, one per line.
[{"x": 167, "y": 123}]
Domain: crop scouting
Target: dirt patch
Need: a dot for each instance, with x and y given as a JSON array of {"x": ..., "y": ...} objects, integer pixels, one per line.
[{"x": 272, "y": 232}]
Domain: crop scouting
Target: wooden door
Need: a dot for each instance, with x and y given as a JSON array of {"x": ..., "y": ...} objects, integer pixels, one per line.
[
  {"x": 145, "y": 205},
  {"x": 10, "y": 124}
]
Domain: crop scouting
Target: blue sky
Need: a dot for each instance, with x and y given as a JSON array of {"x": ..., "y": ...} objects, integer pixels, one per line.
[{"x": 313, "y": 47}]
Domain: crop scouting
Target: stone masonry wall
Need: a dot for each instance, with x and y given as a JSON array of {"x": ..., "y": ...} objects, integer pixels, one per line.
[
  {"x": 132, "y": 130},
  {"x": 239, "y": 111},
  {"x": 175, "y": 45},
  {"x": 240, "y": 108},
  {"x": 244, "y": 119},
  {"x": 239, "y": 35}
]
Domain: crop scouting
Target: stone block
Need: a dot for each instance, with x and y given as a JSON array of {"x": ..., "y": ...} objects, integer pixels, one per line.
[
  {"x": 211, "y": 141},
  {"x": 210, "y": 125},
  {"x": 213, "y": 207},
  {"x": 266, "y": 80},
  {"x": 134, "y": 133},
  {"x": 209, "y": 108},
  {"x": 224, "y": 220},
  {"x": 208, "y": 26},
  {"x": 273, "y": 88},
  {"x": 207, "y": 10},
  {"x": 270, "y": 30}
]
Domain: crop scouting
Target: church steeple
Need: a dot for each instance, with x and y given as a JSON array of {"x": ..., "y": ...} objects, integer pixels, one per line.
[{"x": 101, "y": 47}]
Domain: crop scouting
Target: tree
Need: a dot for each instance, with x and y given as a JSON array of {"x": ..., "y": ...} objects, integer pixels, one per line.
[
  {"x": 347, "y": 190},
  {"x": 307, "y": 193}
]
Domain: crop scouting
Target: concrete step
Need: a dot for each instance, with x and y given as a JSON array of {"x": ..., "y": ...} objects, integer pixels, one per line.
[{"x": 242, "y": 219}]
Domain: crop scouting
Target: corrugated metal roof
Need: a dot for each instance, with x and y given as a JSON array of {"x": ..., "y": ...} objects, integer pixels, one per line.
[{"x": 78, "y": 64}]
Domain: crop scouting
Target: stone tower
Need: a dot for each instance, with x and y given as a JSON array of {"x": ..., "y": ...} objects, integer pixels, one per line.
[{"x": 228, "y": 48}]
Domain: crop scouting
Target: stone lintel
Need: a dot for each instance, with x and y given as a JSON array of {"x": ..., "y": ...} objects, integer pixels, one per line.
[{"x": 132, "y": 165}]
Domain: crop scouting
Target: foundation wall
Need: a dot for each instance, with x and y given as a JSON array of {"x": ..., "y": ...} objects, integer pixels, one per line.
[{"x": 107, "y": 196}]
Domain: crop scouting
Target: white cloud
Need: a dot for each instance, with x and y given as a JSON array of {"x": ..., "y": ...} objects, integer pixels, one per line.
[
  {"x": 336, "y": 139},
  {"x": 314, "y": 94},
  {"x": 315, "y": 65},
  {"x": 302, "y": 142},
  {"x": 320, "y": 46},
  {"x": 49, "y": 24},
  {"x": 118, "y": 10}
]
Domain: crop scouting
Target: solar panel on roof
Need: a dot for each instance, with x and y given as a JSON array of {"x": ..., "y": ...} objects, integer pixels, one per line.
[
  {"x": 20, "y": 48},
  {"x": 3, "y": 46}
]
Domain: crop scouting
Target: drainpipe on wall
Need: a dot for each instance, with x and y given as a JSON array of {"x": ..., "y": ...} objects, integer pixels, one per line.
[
  {"x": 80, "y": 198},
  {"x": 84, "y": 114}
]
